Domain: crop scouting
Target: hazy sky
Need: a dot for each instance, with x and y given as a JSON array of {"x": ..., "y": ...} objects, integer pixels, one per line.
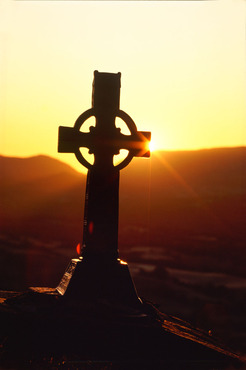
[{"x": 182, "y": 65}]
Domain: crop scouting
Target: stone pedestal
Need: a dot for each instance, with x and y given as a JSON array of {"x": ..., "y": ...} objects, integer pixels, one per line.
[{"x": 92, "y": 279}]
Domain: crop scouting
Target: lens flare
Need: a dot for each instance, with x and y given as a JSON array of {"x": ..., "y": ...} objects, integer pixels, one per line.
[{"x": 78, "y": 249}]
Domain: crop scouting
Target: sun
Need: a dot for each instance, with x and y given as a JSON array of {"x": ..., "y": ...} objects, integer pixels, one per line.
[{"x": 152, "y": 146}]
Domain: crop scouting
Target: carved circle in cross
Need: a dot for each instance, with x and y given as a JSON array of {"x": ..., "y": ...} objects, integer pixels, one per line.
[{"x": 121, "y": 114}]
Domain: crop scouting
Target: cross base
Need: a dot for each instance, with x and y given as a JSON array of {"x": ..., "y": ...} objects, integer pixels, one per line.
[{"x": 86, "y": 280}]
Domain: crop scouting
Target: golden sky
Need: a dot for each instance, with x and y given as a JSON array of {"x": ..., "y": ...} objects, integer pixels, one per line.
[{"x": 182, "y": 65}]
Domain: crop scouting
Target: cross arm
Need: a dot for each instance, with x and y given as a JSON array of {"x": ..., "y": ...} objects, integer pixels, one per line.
[
  {"x": 71, "y": 139},
  {"x": 137, "y": 143}
]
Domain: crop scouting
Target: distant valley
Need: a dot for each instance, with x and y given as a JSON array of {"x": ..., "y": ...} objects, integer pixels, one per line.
[{"x": 187, "y": 202}]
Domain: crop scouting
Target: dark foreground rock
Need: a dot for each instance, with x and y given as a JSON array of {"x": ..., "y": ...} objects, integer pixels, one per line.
[{"x": 41, "y": 329}]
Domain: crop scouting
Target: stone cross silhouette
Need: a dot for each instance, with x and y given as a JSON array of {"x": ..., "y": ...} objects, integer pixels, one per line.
[{"x": 104, "y": 140}]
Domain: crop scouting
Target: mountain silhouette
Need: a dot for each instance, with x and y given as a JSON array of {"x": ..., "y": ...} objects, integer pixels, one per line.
[
  {"x": 37, "y": 192},
  {"x": 21, "y": 170},
  {"x": 182, "y": 190},
  {"x": 194, "y": 192}
]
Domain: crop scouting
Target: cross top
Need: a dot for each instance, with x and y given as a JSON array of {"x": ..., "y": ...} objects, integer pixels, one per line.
[
  {"x": 99, "y": 269},
  {"x": 104, "y": 140}
]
